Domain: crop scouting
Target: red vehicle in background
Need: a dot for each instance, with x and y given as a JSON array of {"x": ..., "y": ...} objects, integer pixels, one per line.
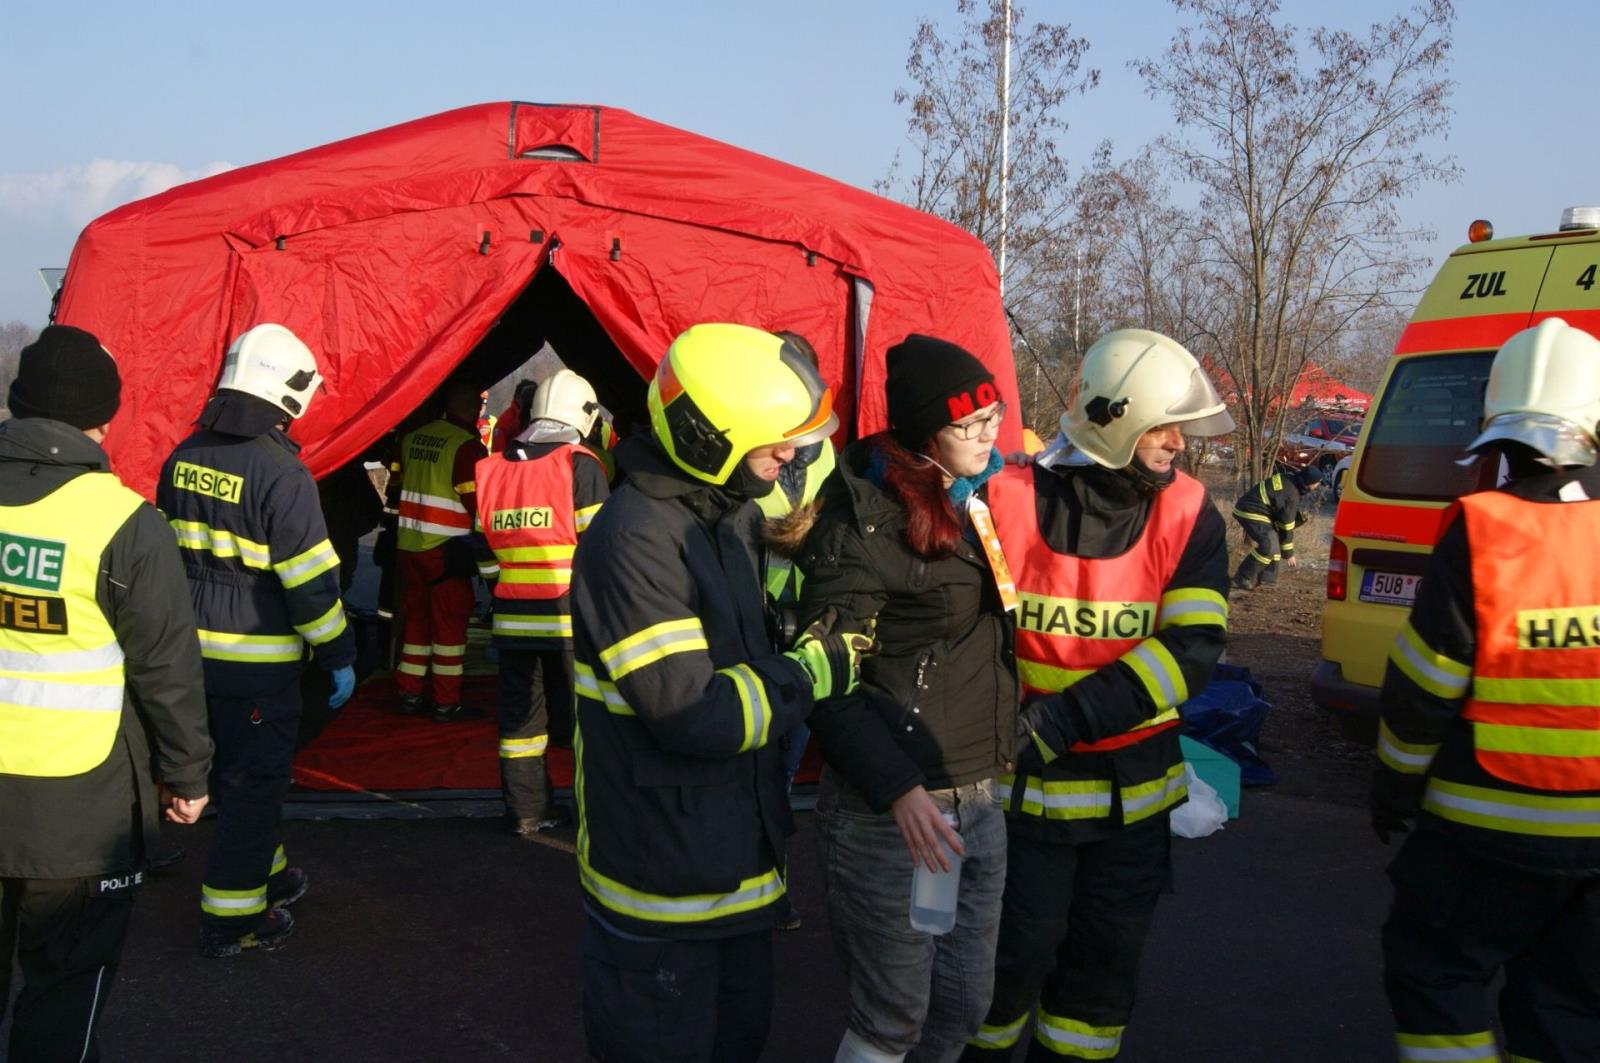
[{"x": 1321, "y": 439}]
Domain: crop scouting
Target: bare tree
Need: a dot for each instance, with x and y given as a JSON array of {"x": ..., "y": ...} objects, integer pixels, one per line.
[
  {"x": 14, "y": 335},
  {"x": 1301, "y": 147},
  {"x": 955, "y": 129}
]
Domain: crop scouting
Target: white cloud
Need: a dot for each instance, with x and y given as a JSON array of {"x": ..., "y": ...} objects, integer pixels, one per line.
[{"x": 77, "y": 194}]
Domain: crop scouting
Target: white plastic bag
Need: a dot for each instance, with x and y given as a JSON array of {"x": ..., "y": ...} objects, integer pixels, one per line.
[{"x": 1204, "y": 813}]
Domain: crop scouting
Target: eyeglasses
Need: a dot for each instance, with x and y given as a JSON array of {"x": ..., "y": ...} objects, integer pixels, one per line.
[{"x": 976, "y": 428}]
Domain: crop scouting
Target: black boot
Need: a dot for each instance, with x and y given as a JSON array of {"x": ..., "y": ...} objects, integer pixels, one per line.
[
  {"x": 411, "y": 704},
  {"x": 456, "y": 713},
  {"x": 270, "y": 931}
]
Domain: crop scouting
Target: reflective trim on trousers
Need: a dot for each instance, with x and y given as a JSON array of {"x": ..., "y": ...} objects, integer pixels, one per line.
[
  {"x": 1077, "y": 1040},
  {"x": 516, "y": 748},
  {"x": 1454, "y": 1048},
  {"x": 231, "y": 903}
]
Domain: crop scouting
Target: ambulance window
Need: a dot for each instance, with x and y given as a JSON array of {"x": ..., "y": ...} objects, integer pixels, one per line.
[{"x": 1429, "y": 413}]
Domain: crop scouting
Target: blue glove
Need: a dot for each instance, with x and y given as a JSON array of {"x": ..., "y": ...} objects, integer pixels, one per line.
[{"x": 344, "y": 684}]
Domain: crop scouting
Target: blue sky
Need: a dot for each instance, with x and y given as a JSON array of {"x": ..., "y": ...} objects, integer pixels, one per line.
[{"x": 106, "y": 102}]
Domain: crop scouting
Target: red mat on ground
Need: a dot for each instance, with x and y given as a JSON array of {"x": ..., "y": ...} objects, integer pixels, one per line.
[{"x": 367, "y": 747}]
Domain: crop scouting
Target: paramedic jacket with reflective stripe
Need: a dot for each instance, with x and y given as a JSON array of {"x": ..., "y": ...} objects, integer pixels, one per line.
[
  {"x": 680, "y": 704},
  {"x": 262, "y": 574},
  {"x": 1274, "y": 501},
  {"x": 105, "y": 820},
  {"x": 1090, "y": 512},
  {"x": 1426, "y": 746}
]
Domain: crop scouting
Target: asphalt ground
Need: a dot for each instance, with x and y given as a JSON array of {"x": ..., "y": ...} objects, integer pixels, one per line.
[{"x": 443, "y": 939}]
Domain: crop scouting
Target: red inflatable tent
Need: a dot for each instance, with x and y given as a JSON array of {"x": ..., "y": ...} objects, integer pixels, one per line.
[{"x": 471, "y": 237}]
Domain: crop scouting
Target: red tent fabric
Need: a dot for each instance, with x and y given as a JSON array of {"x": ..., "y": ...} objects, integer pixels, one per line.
[
  {"x": 1318, "y": 387},
  {"x": 393, "y": 254}
]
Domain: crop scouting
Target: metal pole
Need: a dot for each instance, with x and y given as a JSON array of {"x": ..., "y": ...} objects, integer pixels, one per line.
[
  {"x": 1005, "y": 142},
  {"x": 1077, "y": 297}
]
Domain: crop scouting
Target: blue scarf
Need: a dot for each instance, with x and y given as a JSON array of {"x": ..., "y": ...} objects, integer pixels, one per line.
[{"x": 967, "y": 486}]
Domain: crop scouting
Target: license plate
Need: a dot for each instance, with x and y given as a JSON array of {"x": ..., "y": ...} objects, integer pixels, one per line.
[{"x": 1389, "y": 588}]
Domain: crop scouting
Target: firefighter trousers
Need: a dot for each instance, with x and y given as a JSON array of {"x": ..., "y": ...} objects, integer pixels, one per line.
[
  {"x": 437, "y": 607},
  {"x": 67, "y": 936},
  {"x": 675, "y": 1001},
  {"x": 1262, "y": 562},
  {"x": 1457, "y": 921},
  {"x": 1073, "y": 924},
  {"x": 254, "y": 740},
  {"x": 532, "y": 684}
]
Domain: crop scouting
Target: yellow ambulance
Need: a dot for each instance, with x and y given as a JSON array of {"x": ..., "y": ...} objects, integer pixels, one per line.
[{"x": 1405, "y": 470}]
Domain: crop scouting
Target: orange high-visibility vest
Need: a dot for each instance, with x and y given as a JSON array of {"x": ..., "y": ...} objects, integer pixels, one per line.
[
  {"x": 1077, "y": 615},
  {"x": 1535, "y": 697},
  {"x": 525, "y": 509}
]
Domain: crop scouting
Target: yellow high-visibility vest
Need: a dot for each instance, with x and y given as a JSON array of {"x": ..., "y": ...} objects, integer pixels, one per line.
[
  {"x": 61, "y": 675},
  {"x": 430, "y": 504}
]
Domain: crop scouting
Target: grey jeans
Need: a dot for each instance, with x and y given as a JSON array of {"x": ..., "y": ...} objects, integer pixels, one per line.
[{"x": 911, "y": 994}]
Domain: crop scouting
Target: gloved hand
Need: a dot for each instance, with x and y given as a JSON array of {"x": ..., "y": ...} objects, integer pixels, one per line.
[
  {"x": 1045, "y": 730},
  {"x": 344, "y": 684},
  {"x": 1394, "y": 802},
  {"x": 832, "y": 661}
]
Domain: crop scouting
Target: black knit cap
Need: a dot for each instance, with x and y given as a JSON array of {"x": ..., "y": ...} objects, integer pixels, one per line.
[
  {"x": 67, "y": 376},
  {"x": 933, "y": 383}
]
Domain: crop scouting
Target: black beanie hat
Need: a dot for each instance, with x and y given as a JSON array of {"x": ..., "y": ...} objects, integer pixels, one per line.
[
  {"x": 933, "y": 383},
  {"x": 67, "y": 376}
]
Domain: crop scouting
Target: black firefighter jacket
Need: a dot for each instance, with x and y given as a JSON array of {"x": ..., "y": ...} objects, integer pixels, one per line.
[
  {"x": 680, "y": 704},
  {"x": 104, "y": 821},
  {"x": 1273, "y": 503},
  {"x": 937, "y": 705},
  {"x": 263, "y": 576}
]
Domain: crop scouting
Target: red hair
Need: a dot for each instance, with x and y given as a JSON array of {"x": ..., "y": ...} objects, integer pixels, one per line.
[{"x": 932, "y": 530}]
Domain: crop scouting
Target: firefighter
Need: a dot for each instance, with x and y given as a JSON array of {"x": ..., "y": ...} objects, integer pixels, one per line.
[
  {"x": 100, "y": 672},
  {"x": 1121, "y": 568},
  {"x": 534, "y": 501},
  {"x": 1269, "y": 513},
  {"x": 437, "y": 563},
  {"x": 1490, "y": 735},
  {"x": 264, "y": 581},
  {"x": 681, "y": 696}
]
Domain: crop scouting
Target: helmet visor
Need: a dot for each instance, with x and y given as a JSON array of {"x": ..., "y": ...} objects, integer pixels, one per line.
[
  {"x": 1561, "y": 441},
  {"x": 822, "y": 421},
  {"x": 1200, "y": 409}
]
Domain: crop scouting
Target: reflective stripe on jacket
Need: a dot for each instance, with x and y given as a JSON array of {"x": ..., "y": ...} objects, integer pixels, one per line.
[
  {"x": 1534, "y": 698},
  {"x": 430, "y": 498},
  {"x": 61, "y": 669}
]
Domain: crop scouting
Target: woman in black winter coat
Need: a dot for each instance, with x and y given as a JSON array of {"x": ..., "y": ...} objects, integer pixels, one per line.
[{"x": 911, "y": 757}]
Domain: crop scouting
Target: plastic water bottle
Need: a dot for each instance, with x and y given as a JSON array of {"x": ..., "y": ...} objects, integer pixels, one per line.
[{"x": 933, "y": 893}]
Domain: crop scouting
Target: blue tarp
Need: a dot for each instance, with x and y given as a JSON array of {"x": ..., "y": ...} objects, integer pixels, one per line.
[{"x": 1227, "y": 716}]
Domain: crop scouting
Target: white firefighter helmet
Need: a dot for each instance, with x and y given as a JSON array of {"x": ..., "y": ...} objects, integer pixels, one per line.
[
  {"x": 271, "y": 363},
  {"x": 1544, "y": 392},
  {"x": 1134, "y": 380},
  {"x": 566, "y": 397}
]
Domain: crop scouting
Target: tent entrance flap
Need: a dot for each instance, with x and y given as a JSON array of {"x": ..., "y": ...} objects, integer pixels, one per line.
[{"x": 549, "y": 311}]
